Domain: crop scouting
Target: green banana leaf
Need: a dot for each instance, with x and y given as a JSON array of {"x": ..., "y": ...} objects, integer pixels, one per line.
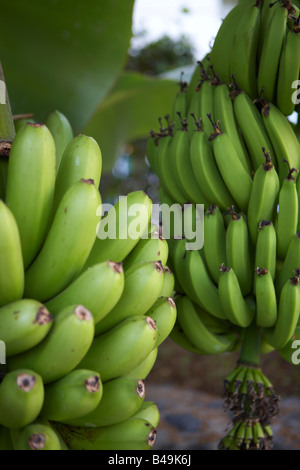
[
  {"x": 129, "y": 112},
  {"x": 63, "y": 54}
]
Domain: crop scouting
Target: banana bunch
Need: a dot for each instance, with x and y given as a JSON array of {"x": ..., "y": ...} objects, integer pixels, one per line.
[
  {"x": 259, "y": 44},
  {"x": 81, "y": 314}
]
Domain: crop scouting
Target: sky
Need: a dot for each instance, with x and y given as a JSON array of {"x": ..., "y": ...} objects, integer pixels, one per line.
[{"x": 200, "y": 23}]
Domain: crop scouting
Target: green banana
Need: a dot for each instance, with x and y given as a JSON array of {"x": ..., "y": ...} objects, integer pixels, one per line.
[
  {"x": 143, "y": 369},
  {"x": 265, "y": 248},
  {"x": 131, "y": 434},
  {"x": 252, "y": 127},
  {"x": 238, "y": 180},
  {"x": 38, "y": 435},
  {"x": 271, "y": 51},
  {"x": 122, "y": 397},
  {"x": 290, "y": 264},
  {"x": 62, "y": 132},
  {"x": 266, "y": 301},
  {"x": 283, "y": 138},
  {"x": 244, "y": 48},
  {"x": 99, "y": 288},
  {"x": 179, "y": 337},
  {"x": 164, "y": 313},
  {"x": 154, "y": 248},
  {"x": 82, "y": 159},
  {"x": 122, "y": 348},
  {"x": 23, "y": 325},
  {"x": 150, "y": 412},
  {"x": 168, "y": 286},
  {"x": 76, "y": 394},
  {"x": 287, "y": 219},
  {"x": 264, "y": 196},
  {"x": 142, "y": 286},
  {"x": 288, "y": 315},
  {"x": 224, "y": 113},
  {"x": 11, "y": 258},
  {"x": 193, "y": 275},
  {"x": 128, "y": 213},
  {"x": 206, "y": 100},
  {"x": 197, "y": 333},
  {"x": 232, "y": 300},
  {"x": 30, "y": 186},
  {"x": 214, "y": 247},
  {"x": 63, "y": 348},
  {"x": 206, "y": 170},
  {"x": 21, "y": 398},
  {"x": 289, "y": 70},
  {"x": 68, "y": 243},
  {"x": 180, "y": 103},
  {"x": 239, "y": 251}
]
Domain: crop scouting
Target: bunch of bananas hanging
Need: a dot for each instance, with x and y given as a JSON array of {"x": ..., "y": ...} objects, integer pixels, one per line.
[
  {"x": 230, "y": 145},
  {"x": 81, "y": 315}
]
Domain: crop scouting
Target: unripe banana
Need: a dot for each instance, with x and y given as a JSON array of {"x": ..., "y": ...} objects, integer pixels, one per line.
[
  {"x": 143, "y": 369},
  {"x": 99, "y": 288},
  {"x": 266, "y": 301},
  {"x": 179, "y": 337},
  {"x": 39, "y": 435},
  {"x": 82, "y": 159},
  {"x": 122, "y": 348},
  {"x": 11, "y": 258},
  {"x": 76, "y": 394},
  {"x": 67, "y": 245},
  {"x": 122, "y": 397},
  {"x": 62, "y": 132},
  {"x": 232, "y": 300},
  {"x": 168, "y": 283},
  {"x": 154, "y": 248},
  {"x": 150, "y": 412},
  {"x": 23, "y": 325},
  {"x": 288, "y": 315},
  {"x": 132, "y": 434},
  {"x": 21, "y": 398},
  {"x": 63, "y": 348},
  {"x": 164, "y": 314},
  {"x": 126, "y": 215},
  {"x": 180, "y": 104},
  {"x": 265, "y": 248},
  {"x": 239, "y": 251},
  {"x": 143, "y": 284},
  {"x": 290, "y": 264},
  {"x": 30, "y": 186},
  {"x": 263, "y": 197}
]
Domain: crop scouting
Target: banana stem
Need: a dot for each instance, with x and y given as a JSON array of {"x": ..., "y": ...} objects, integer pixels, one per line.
[
  {"x": 7, "y": 127},
  {"x": 251, "y": 343}
]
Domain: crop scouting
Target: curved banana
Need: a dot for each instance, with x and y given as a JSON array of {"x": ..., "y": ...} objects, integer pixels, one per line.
[
  {"x": 122, "y": 348},
  {"x": 62, "y": 349},
  {"x": 99, "y": 288},
  {"x": 214, "y": 247},
  {"x": 62, "y": 132},
  {"x": 239, "y": 251},
  {"x": 125, "y": 216},
  {"x": 197, "y": 333},
  {"x": 154, "y": 248},
  {"x": 206, "y": 171},
  {"x": 288, "y": 315},
  {"x": 179, "y": 337},
  {"x": 30, "y": 186},
  {"x": 238, "y": 180},
  {"x": 287, "y": 220},
  {"x": 38, "y": 435},
  {"x": 164, "y": 314},
  {"x": 150, "y": 412},
  {"x": 289, "y": 70},
  {"x": 168, "y": 286},
  {"x": 23, "y": 325},
  {"x": 232, "y": 300},
  {"x": 68, "y": 243},
  {"x": 266, "y": 300},
  {"x": 265, "y": 247},
  {"x": 21, "y": 398},
  {"x": 122, "y": 398},
  {"x": 73, "y": 396},
  {"x": 206, "y": 100},
  {"x": 263, "y": 197},
  {"x": 11, "y": 258},
  {"x": 82, "y": 159},
  {"x": 131, "y": 434},
  {"x": 271, "y": 51}
]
